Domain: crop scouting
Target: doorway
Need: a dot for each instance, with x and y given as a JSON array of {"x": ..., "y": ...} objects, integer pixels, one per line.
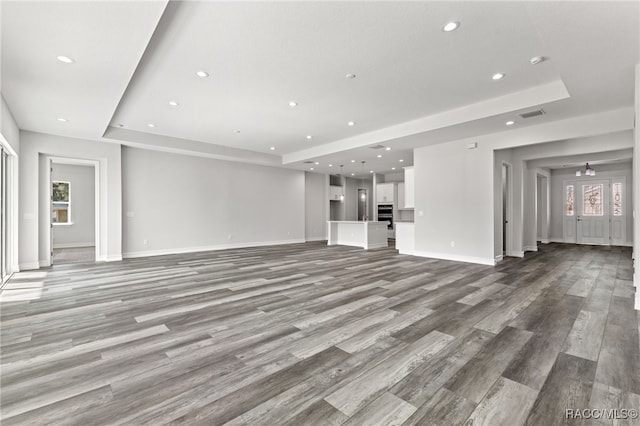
[
  {"x": 506, "y": 208},
  {"x": 74, "y": 211},
  {"x": 594, "y": 212}
]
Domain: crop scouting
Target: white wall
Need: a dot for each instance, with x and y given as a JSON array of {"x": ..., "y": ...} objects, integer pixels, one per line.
[
  {"x": 454, "y": 202},
  {"x": 462, "y": 181},
  {"x": 35, "y": 148},
  {"x": 81, "y": 233},
  {"x": 180, "y": 203},
  {"x": 316, "y": 209},
  {"x": 604, "y": 171}
]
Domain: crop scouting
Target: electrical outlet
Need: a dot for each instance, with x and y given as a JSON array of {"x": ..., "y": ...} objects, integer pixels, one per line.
[
  {"x": 229, "y": 236},
  {"x": 145, "y": 242},
  {"x": 453, "y": 243}
]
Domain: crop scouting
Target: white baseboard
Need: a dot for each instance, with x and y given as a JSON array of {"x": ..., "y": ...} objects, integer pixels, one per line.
[
  {"x": 545, "y": 241},
  {"x": 404, "y": 251},
  {"x": 316, "y": 239},
  {"x": 499, "y": 258},
  {"x": 556, "y": 240},
  {"x": 74, "y": 245},
  {"x": 182, "y": 250},
  {"x": 456, "y": 258},
  {"x": 29, "y": 266},
  {"x": 530, "y": 248},
  {"x": 44, "y": 263},
  {"x": 112, "y": 258},
  {"x": 516, "y": 254}
]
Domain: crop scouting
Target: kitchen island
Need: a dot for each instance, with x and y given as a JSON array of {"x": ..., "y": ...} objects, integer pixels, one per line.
[{"x": 367, "y": 234}]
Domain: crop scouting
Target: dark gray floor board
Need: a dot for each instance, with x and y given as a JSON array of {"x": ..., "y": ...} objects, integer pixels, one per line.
[{"x": 305, "y": 334}]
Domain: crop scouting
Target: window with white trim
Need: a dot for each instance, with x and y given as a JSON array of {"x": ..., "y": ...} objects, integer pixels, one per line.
[{"x": 61, "y": 203}]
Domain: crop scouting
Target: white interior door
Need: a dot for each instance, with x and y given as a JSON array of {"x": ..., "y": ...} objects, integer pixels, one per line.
[{"x": 592, "y": 202}]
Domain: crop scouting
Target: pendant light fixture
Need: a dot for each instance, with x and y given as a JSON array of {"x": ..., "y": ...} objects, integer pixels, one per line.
[{"x": 588, "y": 171}]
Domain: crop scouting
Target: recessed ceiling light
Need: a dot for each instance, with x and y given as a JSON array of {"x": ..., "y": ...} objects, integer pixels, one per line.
[
  {"x": 236, "y": 131},
  {"x": 273, "y": 148},
  {"x": 393, "y": 168},
  {"x": 402, "y": 161},
  {"x": 202, "y": 74},
  {"x": 388, "y": 148},
  {"x": 293, "y": 104},
  {"x": 351, "y": 123},
  {"x": 330, "y": 165},
  {"x": 66, "y": 59},
  {"x": 370, "y": 171},
  {"x": 353, "y": 174},
  {"x": 510, "y": 123},
  {"x": 151, "y": 125},
  {"x": 350, "y": 76},
  {"x": 309, "y": 136},
  {"x": 498, "y": 76},
  {"x": 310, "y": 168},
  {"x": 450, "y": 26},
  {"x": 353, "y": 161},
  {"x": 536, "y": 60},
  {"x": 317, "y": 163},
  {"x": 62, "y": 120},
  {"x": 379, "y": 155},
  {"x": 173, "y": 103}
]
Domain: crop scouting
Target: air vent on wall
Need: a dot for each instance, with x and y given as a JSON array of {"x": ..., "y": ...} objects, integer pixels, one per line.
[
  {"x": 308, "y": 162},
  {"x": 532, "y": 113},
  {"x": 377, "y": 146}
]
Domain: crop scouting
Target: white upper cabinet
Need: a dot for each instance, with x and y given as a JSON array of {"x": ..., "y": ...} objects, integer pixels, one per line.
[
  {"x": 335, "y": 193},
  {"x": 385, "y": 192},
  {"x": 409, "y": 187}
]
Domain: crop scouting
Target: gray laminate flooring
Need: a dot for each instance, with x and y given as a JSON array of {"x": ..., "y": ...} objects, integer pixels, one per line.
[{"x": 307, "y": 334}]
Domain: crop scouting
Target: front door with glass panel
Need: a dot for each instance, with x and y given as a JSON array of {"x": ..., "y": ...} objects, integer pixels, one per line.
[
  {"x": 587, "y": 212},
  {"x": 593, "y": 212}
]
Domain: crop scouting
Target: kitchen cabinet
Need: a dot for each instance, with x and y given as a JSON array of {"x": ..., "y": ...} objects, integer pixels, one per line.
[
  {"x": 409, "y": 188},
  {"x": 335, "y": 193},
  {"x": 385, "y": 192}
]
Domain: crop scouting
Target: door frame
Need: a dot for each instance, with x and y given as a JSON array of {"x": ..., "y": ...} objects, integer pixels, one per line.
[
  {"x": 11, "y": 210},
  {"x": 576, "y": 185},
  {"x": 546, "y": 213},
  {"x": 506, "y": 208},
  {"x": 96, "y": 180}
]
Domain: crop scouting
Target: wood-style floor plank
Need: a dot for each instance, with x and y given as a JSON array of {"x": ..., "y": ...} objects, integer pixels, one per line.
[{"x": 310, "y": 334}]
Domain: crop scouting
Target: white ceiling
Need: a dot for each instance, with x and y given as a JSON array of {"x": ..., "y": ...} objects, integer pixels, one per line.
[{"x": 414, "y": 85}]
